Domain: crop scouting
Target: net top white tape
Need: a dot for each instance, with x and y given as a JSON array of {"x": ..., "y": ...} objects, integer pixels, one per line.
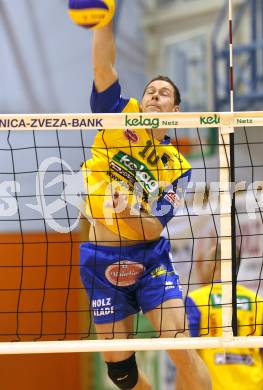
[
  {"x": 129, "y": 345},
  {"x": 133, "y": 121}
]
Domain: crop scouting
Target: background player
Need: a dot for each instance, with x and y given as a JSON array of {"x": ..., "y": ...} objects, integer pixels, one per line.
[
  {"x": 232, "y": 368},
  {"x": 121, "y": 275}
]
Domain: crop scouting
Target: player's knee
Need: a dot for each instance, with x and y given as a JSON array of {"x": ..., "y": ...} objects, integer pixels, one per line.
[{"x": 124, "y": 374}]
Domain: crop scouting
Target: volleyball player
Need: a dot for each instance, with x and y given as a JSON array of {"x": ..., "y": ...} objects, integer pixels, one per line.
[
  {"x": 126, "y": 265},
  {"x": 234, "y": 368}
]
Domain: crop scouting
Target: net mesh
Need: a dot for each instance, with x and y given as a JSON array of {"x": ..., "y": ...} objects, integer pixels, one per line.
[{"x": 42, "y": 225}]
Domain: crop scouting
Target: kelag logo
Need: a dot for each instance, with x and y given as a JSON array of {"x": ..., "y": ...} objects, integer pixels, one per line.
[
  {"x": 154, "y": 123},
  {"x": 137, "y": 169},
  {"x": 210, "y": 120}
]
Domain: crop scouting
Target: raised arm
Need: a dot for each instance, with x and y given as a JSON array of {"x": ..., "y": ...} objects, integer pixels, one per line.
[{"x": 103, "y": 57}]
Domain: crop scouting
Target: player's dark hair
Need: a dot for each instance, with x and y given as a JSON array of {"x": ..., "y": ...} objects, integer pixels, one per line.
[{"x": 177, "y": 95}]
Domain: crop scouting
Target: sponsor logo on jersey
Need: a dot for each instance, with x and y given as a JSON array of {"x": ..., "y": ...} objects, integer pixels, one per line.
[
  {"x": 102, "y": 307},
  {"x": 169, "y": 285},
  {"x": 131, "y": 136},
  {"x": 138, "y": 170},
  {"x": 172, "y": 198},
  {"x": 122, "y": 172},
  {"x": 160, "y": 271},
  {"x": 124, "y": 273},
  {"x": 233, "y": 358},
  {"x": 243, "y": 302}
]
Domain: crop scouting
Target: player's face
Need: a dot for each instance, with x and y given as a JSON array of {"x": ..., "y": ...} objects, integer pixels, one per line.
[{"x": 159, "y": 97}]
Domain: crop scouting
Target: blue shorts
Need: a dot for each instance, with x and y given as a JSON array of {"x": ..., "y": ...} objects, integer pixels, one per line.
[{"x": 121, "y": 281}]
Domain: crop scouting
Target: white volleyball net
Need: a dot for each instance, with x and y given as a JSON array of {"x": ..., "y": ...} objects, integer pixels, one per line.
[{"x": 44, "y": 307}]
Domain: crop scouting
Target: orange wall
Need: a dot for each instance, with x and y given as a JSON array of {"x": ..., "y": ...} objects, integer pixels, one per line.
[
  {"x": 41, "y": 372},
  {"x": 40, "y": 298}
]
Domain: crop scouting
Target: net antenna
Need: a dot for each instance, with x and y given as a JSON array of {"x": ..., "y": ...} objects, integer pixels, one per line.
[
  {"x": 227, "y": 205},
  {"x": 231, "y": 68}
]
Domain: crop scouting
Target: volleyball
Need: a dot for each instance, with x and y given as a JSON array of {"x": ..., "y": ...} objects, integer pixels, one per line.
[{"x": 91, "y": 14}]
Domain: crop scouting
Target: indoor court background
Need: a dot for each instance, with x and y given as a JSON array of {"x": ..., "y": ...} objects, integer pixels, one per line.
[{"x": 45, "y": 67}]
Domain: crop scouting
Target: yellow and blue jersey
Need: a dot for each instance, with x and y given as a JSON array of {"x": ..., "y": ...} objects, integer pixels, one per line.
[
  {"x": 135, "y": 160},
  {"x": 233, "y": 368}
]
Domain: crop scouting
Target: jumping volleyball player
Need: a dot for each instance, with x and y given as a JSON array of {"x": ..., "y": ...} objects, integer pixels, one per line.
[{"x": 126, "y": 266}]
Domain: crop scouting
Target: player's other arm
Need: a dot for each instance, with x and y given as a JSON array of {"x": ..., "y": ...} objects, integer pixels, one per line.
[{"x": 103, "y": 57}]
